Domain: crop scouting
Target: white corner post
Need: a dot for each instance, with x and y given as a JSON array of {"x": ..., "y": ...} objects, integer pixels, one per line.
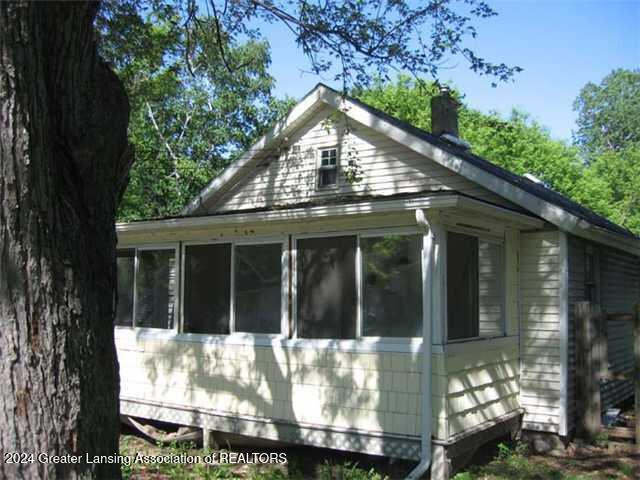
[
  {"x": 428, "y": 247},
  {"x": 563, "y": 293}
]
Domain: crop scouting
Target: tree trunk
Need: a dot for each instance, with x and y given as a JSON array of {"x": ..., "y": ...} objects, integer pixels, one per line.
[{"x": 64, "y": 161}]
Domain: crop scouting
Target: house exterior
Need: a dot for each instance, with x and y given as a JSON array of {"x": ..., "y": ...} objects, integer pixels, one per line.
[{"x": 423, "y": 304}]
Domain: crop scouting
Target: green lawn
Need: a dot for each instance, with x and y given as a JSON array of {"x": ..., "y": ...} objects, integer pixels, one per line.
[{"x": 604, "y": 461}]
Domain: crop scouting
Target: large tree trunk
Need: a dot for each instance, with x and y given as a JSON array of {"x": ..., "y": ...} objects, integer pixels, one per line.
[{"x": 63, "y": 166}]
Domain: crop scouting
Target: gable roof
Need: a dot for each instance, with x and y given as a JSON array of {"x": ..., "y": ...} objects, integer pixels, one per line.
[{"x": 537, "y": 199}]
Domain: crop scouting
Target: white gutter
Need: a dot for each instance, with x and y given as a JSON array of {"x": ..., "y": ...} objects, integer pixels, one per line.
[{"x": 427, "y": 314}]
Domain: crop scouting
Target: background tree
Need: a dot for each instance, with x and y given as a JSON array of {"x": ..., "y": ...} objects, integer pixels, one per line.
[
  {"x": 190, "y": 116},
  {"x": 516, "y": 143},
  {"x": 608, "y": 113},
  {"x": 64, "y": 163}
]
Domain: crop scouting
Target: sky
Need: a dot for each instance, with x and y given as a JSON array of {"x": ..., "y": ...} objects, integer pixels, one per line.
[{"x": 560, "y": 44}]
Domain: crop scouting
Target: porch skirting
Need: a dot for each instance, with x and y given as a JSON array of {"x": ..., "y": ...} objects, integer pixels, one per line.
[{"x": 372, "y": 443}]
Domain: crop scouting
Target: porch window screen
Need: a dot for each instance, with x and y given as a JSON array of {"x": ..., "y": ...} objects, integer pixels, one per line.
[
  {"x": 258, "y": 281},
  {"x": 392, "y": 286},
  {"x": 490, "y": 289},
  {"x": 125, "y": 262},
  {"x": 462, "y": 286},
  {"x": 326, "y": 287},
  {"x": 155, "y": 288},
  {"x": 207, "y": 281}
]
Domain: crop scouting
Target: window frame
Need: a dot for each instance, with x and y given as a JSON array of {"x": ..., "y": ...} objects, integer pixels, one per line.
[
  {"x": 482, "y": 237},
  {"x": 590, "y": 251},
  {"x": 371, "y": 233},
  {"x": 320, "y": 167},
  {"x": 284, "y": 297},
  {"x": 177, "y": 306}
]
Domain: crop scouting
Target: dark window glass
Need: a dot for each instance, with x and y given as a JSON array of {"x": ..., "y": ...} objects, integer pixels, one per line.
[
  {"x": 155, "y": 288},
  {"x": 328, "y": 177},
  {"x": 125, "y": 263},
  {"x": 326, "y": 287},
  {"x": 207, "y": 297},
  {"x": 462, "y": 286},
  {"x": 392, "y": 286},
  {"x": 328, "y": 172},
  {"x": 258, "y": 287}
]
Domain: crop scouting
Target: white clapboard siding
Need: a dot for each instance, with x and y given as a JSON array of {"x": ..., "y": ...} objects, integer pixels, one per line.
[
  {"x": 289, "y": 176},
  {"x": 619, "y": 291},
  {"x": 540, "y": 330},
  {"x": 477, "y": 386}
]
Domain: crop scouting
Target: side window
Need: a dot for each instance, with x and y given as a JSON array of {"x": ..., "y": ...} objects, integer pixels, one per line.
[
  {"x": 590, "y": 274},
  {"x": 328, "y": 168},
  {"x": 462, "y": 286},
  {"x": 155, "y": 288},
  {"x": 475, "y": 287},
  {"x": 125, "y": 264}
]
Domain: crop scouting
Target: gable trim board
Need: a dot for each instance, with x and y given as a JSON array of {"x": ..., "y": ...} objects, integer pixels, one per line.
[{"x": 499, "y": 181}]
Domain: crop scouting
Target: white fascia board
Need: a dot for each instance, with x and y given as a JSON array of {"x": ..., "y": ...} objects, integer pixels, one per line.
[
  {"x": 546, "y": 210},
  {"x": 239, "y": 167},
  {"x": 359, "y": 208}
]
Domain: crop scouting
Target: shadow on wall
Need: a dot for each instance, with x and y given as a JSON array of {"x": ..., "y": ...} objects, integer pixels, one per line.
[{"x": 321, "y": 388}]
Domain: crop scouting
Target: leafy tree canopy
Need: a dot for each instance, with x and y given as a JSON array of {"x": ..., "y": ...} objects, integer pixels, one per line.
[
  {"x": 608, "y": 113},
  {"x": 189, "y": 115},
  {"x": 517, "y": 143}
]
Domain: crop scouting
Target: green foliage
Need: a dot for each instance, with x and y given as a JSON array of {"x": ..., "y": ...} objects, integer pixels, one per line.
[
  {"x": 512, "y": 462},
  {"x": 347, "y": 471},
  {"x": 608, "y": 113},
  {"x": 190, "y": 115},
  {"x": 517, "y": 143}
]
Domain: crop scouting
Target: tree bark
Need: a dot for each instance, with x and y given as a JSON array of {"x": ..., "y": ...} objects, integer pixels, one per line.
[{"x": 64, "y": 162}]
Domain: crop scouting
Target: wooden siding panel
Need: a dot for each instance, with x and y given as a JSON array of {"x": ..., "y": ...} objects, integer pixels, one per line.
[
  {"x": 482, "y": 384},
  {"x": 386, "y": 167},
  {"x": 375, "y": 392},
  {"x": 540, "y": 327}
]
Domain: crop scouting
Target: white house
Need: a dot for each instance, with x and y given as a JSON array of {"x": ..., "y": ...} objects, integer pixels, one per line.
[{"x": 417, "y": 309}]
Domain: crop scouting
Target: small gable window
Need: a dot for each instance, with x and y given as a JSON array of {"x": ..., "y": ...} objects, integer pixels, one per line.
[{"x": 328, "y": 169}]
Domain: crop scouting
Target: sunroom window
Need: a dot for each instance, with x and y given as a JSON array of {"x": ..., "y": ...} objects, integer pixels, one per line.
[
  {"x": 392, "y": 286},
  {"x": 155, "y": 288},
  {"x": 475, "y": 302},
  {"x": 251, "y": 274},
  {"x": 126, "y": 262},
  {"x": 258, "y": 287},
  {"x": 326, "y": 287},
  {"x": 207, "y": 288},
  {"x": 328, "y": 169}
]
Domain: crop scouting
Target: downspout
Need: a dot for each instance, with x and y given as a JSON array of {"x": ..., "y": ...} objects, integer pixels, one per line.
[{"x": 428, "y": 248}]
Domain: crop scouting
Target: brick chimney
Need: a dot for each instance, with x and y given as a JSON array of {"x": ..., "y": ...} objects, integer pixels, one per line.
[{"x": 444, "y": 113}]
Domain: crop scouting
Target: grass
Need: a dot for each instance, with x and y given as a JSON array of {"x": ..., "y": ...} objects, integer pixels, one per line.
[
  {"x": 509, "y": 461},
  {"x": 204, "y": 465},
  {"x": 600, "y": 461}
]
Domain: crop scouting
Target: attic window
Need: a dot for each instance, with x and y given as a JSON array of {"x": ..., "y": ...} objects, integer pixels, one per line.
[{"x": 328, "y": 169}]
